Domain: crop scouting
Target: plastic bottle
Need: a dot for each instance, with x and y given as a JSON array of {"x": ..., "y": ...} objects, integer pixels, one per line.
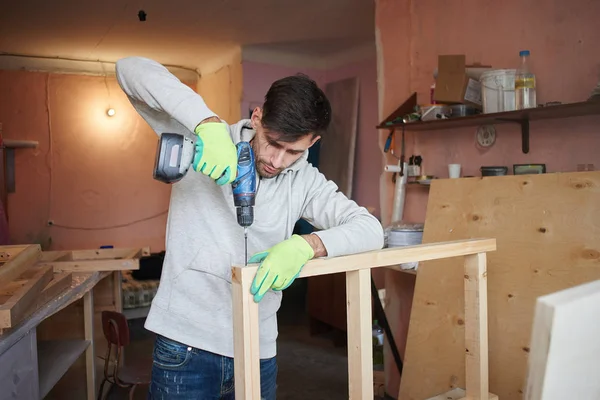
[{"x": 525, "y": 85}]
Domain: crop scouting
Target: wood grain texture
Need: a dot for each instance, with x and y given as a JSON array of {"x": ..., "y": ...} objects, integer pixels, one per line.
[
  {"x": 20, "y": 258},
  {"x": 338, "y": 144},
  {"x": 15, "y": 309},
  {"x": 547, "y": 229},
  {"x": 357, "y": 268},
  {"x": 386, "y": 257},
  {"x": 360, "y": 336},
  {"x": 246, "y": 341}
]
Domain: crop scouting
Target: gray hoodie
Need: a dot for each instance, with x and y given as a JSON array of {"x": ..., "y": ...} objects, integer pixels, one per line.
[{"x": 203, "y": 239}]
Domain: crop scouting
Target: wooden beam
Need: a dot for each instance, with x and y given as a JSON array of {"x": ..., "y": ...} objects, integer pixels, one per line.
[
  {"x": 101, "y": 254},
  {"x": 357, "y": 268},
  {"x": 245, "y": 337},
  {"x": 476, "y": 328},
  {"x": 90, "y": 355},
  {"x": 15, "y": 309},
  {"x": 93, "y": 265},
  {"x": 18, "y": 264},
  {"x": 390, "y": 256},
  {"x": 360, "y": 337}
]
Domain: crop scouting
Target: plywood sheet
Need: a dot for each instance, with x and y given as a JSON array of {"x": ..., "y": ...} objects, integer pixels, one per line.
[
  {"x": 336, "y": 157},
  {"x": 565, "y": 345},
  {"x": 548, "y": 239}
]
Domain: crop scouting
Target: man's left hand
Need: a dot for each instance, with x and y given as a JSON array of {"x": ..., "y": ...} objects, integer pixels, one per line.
[{"x": 280, "y": 265}]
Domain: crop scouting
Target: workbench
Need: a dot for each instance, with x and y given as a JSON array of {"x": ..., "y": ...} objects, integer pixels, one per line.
[{"x": 29, "y": 368}]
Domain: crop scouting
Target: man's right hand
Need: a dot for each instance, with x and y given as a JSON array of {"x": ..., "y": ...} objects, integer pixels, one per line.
[{"x": 216, "y": 154}]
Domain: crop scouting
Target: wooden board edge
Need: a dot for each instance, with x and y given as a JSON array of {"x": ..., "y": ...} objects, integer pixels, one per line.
[{"x": 15, "y": 309}]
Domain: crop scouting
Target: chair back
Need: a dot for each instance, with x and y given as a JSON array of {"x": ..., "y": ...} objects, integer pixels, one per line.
[{"x": 115, "y": 328}]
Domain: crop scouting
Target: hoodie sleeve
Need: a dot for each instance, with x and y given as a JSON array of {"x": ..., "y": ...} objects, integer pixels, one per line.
[
  {"x": 344, "y": 227},
  {"x": 157, "y": 94}
]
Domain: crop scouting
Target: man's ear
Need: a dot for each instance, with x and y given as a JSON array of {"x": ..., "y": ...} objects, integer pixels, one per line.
[
  {"x": 256, "y": 117},
  {"x": 314, "y": 140}
]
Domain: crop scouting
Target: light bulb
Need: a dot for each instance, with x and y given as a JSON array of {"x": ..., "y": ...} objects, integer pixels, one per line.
[{"x": 110, "y": 112}]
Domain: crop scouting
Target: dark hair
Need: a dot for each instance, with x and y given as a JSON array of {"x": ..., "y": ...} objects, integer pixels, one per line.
[{"x": 295, "y": 106}]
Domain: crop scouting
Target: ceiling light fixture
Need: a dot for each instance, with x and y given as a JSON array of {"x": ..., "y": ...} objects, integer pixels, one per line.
[{"x": 110, "y": 112}]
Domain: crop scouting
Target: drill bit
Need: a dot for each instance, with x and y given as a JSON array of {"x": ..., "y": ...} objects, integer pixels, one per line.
[{"x": 246, "y": 245}]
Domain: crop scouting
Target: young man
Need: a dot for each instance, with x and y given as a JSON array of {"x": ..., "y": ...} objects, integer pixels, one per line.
[{"x": 192, "y": 313}]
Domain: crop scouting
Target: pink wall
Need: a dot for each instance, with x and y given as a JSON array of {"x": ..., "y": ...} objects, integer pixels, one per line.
[
  {"x": 563, "y": 40},
  {"x": 88, "y": 172},
  {"x": 258, "y": 78}
]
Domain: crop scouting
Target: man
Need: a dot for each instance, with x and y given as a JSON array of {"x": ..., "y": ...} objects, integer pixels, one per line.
[{"x": 192, "y": 313}]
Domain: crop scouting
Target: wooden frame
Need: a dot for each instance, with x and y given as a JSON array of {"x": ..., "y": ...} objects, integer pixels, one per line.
[
  {"x": 94, "y": 259},
  {"x": 357, "y": 268}
]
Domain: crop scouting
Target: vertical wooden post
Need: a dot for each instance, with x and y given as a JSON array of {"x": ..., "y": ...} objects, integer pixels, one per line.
[
  {"x": 476, "y": 327},
  {"x": 245, "y": 337},
  {"x": 360, "y": 342},
  {"x": 90, "y": 357}
]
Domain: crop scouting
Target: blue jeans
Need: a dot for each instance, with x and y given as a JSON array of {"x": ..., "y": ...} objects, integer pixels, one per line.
[{"x": 182, "y": 372}]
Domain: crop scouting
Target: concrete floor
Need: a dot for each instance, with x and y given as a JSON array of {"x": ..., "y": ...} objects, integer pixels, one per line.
[{"x": 310, "y": 367}]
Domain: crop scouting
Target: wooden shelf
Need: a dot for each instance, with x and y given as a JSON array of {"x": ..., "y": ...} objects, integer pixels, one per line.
[
  {"x": 55, "y": 357},
  {"x": 521, "y": 117}
]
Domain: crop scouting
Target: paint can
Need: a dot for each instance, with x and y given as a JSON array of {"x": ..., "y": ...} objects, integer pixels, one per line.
[{"x": 404, "y": 234}]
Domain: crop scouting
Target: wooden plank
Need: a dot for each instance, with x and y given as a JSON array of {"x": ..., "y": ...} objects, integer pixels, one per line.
[
  {"x": 90, "y": 353},
  {"x": 389, "y": 256},
  {"x": 55, "y": 255},
  {"x": 548, "y": 232},
  {"x": 102, "y": 254},
  {"x": 16, "y": 265},
  {"x": 14, "y": 310},
  {"x": 93, "y": 265},
  {"x": 476, "y": 328},
  {"x": 245, "y": 337},
  {"x": 358, "y": 269},
  {"x": 60, "y": 283},
  {"x": 565, "y": 345},
  {"x": 360, "y": 337}
]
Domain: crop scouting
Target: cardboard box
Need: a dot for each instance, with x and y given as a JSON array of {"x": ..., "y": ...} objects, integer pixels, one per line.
[{"x": 458, "y": 83}]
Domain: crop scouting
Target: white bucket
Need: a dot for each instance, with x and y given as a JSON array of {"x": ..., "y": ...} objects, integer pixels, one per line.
[{"x": 498, "y": 90}]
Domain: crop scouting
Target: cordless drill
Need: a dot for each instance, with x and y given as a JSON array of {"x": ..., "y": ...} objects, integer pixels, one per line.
[{"x": 174, "y": 156}]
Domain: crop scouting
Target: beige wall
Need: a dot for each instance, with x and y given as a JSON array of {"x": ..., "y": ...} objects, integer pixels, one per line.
[
  {"x": 222, "y": 89},
  {"x": 91, "y": 174}
]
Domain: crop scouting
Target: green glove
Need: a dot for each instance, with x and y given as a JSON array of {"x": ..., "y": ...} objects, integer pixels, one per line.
[
  {"x": 216, "y": 154},
  {"x": 279, "y": 265}
]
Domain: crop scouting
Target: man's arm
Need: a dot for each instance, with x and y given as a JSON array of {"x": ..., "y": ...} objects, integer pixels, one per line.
[
  {"x": 317, "y": 245},
  {"x": 151, "y": 87},
  {"x": 344, "y": 227}
]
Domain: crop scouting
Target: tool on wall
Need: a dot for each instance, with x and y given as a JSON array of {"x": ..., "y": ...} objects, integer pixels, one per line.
[{"x": 174, "y": 156}]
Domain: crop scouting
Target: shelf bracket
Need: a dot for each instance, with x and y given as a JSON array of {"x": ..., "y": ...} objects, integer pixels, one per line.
[{"x": 524, "y": 132}]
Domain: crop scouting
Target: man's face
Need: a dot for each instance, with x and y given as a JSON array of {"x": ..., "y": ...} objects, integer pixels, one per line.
[{"x": 274, "y": 156}]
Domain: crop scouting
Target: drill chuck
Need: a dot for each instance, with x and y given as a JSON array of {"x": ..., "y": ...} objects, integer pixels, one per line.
[{"x": 245, "y": 216}]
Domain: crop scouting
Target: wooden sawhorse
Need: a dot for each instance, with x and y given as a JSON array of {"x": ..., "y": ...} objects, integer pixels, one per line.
[{"x": 358, "y": 293}]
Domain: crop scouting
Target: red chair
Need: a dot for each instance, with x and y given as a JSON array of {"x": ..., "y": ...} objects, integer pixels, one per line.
[{"x": 116, "y": 332}]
